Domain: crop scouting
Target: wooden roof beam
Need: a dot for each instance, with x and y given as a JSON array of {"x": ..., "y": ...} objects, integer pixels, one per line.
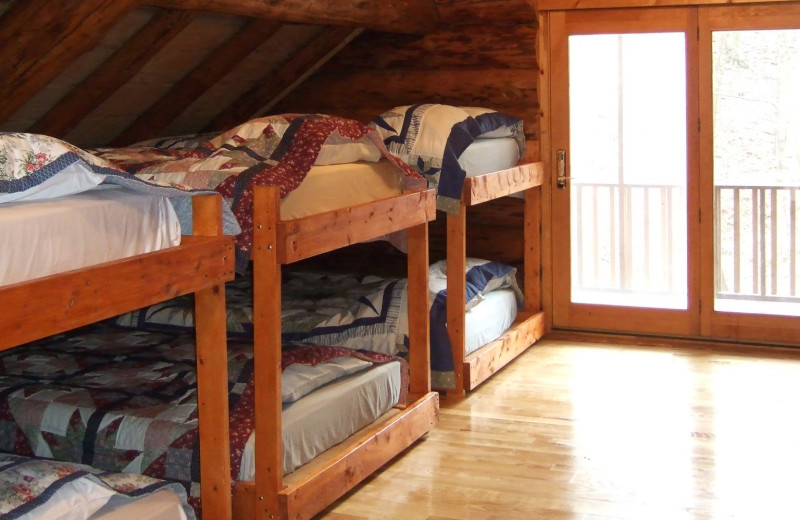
[
  {"x": 215, "y": 66},
  {"x": 276, "y": 84},
  {"x": 39, "y": 37},
  {"x": 395, "y": 16},
  {"x": 114, "y": 73}
]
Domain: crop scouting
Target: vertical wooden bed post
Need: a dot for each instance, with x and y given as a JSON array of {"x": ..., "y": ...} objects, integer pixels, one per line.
[
  {"x": 418, "y": 322},
  {"x": 212, "y": 375},
  {"x": 456, "y": 291},
  {"x": 267, "y": 352},
  {"x": 533, "y": 247}
]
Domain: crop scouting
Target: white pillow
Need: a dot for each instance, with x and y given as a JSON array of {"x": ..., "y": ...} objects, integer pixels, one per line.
[{"x": 298, "y": 380}]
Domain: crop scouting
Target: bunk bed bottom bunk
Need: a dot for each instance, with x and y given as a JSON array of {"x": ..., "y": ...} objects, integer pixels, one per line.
[
  {"x": 63, "y": 401},
  {"x": 313, "y": 487}
]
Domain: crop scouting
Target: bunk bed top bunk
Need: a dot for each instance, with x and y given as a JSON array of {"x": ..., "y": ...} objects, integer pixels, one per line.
[{"x": 55, "y": 302}]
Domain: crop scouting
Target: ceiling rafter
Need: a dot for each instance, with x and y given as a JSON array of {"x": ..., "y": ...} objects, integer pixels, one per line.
[
  {"x": 33, "y": 58},
  {"x": 215, "y": 66},
  {"x": 275, "y": 84},
  {"x": 123, "y": 65},
  {"x": 397, "y": 16}
]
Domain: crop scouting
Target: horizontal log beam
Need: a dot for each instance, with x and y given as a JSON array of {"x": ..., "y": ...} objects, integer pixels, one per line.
[{"x": 397, "y": 16}]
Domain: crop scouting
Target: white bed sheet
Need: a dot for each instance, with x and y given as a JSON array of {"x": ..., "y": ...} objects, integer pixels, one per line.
[
  {"x": 44, "y": 237},
  {"x": 489, "y": 155},
  {"x": 488, "y": 320},
  {"x": 322, "y": 189},
  {"x": 326, "y": 417}
]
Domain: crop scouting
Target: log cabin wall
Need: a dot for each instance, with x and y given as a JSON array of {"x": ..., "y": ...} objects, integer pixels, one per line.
[{"x": 484, "y": 53}]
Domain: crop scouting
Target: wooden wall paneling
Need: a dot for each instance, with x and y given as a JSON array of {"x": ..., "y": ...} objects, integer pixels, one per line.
[
  {"x": 115, "y": 72},
  {"x": 400, "y": 16},
  {"x": 482, "y": 47},
  {"x": 494, "y": 12},
  {"x": 558, "y": 5},
  {"x": 218, "y": 63},
  {"x": 275, "y": 83},
  {"x": 34, "y": 54},
  {"x": 513, "y": 91}
]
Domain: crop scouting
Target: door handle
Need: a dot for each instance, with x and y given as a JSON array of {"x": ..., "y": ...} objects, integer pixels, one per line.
[{"x": 561, "y": 169}]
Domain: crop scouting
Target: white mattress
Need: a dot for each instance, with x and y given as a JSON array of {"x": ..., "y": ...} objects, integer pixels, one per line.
[
  {"x": 44, "y": 237},
  {"x": 321, "y": 190},
  {"x": 489, "y": 155},
  {"x": 326, "y": 417},
  {"x": 488, "y": 320}
]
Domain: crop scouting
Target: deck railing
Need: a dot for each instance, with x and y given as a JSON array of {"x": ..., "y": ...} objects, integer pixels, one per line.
[
  {"x": 757, "y": 251},
  {"x": 756, "y": 245},
  {"x": 618, "y": 220}
]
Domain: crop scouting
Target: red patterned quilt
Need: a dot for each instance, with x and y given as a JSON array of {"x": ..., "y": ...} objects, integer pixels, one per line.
[{"x": 273, "y": 151}]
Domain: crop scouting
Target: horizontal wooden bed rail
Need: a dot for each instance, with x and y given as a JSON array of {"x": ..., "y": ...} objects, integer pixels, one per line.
[
  {"x": 308, "y": 493},
  {"x": 320, "y": 233},
  {"x": 66, "y": 301},
  {"x": 524, "y": 332},
  {"x": 482, "y": 188}
]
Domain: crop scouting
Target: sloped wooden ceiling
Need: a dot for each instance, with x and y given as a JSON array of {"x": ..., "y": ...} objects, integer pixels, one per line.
[{"x": 98, "y": 72}]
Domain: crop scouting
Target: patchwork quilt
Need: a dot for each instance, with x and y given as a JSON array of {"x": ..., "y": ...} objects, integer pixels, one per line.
[
  {"x": 39, "y": 488},
  {"x": 125, "y": 401},
  {"x": 273, "y": 151},
  {"x": 360, "y": 312}
]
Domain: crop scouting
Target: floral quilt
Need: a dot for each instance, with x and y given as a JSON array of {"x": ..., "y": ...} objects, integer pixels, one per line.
[
  {"x": 29, "y": 487},
  {"x": 125, "y": 401}
]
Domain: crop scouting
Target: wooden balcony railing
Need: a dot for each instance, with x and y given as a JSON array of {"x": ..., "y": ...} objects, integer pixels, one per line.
[{"x": 632, "y": 239}]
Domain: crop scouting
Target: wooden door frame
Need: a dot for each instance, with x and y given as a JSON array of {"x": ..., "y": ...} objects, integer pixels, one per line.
[
  {"x": 716, "y": 324},
  {"x": 555, "y": 26},
  {"x": 780, "y": 330}
]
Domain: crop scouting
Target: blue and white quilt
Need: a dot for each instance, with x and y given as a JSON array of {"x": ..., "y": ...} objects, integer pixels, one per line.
[
  {"x": 431, "y": 138},
  {"x": 358, "y": 312}
]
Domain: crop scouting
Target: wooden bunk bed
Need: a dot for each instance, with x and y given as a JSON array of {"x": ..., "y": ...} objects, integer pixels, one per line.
[
  {"x": 471, "y": 155},
  {"x": 308, "y": 490},
  {"x": 201, "y": 264},
  {"x": 272, "y": 243},
  {"x": 472, "y": 369}
]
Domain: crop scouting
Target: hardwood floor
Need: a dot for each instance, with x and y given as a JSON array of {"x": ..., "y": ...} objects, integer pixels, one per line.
[{"x": 598, "y": 432}]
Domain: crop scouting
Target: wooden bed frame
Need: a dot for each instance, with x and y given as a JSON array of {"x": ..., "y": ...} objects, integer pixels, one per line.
[
  {"x": 528, "y": 327},
  {"x": 202, "y": 263},
  {"x": 317, "y": 484}
]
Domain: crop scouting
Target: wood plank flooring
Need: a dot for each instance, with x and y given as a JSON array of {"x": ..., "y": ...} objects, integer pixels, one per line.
[{"x": 599, "y": 432}]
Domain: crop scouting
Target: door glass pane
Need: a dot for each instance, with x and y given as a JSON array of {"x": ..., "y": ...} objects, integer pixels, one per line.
[
  {"x": 756, "y": 88},
  {"x": 628, "y": 167}
]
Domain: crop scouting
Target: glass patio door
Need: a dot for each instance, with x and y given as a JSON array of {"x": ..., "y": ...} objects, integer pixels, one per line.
[
  {"x": 621, "y": 150},
  {"x": 750, "y": 81},
  {"x": 675, "y": 157}
]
